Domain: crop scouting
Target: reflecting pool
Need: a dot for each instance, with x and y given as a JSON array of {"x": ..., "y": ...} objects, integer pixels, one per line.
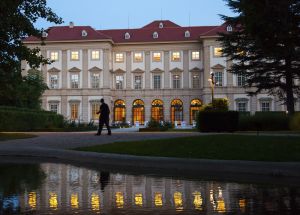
[{"x": 50, "y": 188}]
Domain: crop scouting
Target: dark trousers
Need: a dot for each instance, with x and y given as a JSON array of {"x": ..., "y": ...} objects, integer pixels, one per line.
[{"x": 101, "y": 123}]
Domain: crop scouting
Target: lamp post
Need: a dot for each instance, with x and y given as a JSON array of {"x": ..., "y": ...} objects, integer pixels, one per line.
[{"x": 212, "y": 85}]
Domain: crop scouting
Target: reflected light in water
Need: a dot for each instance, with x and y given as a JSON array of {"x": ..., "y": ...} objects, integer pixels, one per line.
[
  {"x": 74, "y": 201},
  {"x": 242, "y": 204},
  {"x": 178, "y": 201},
  {"x": 212, "y": 200},
  {"x": 119, "y": 200},
  {"x": 95, "y": 202},
  {"x": 53, "y": 203},
  {"x": 221, "y": 203},
  {"x": 158, "y": 199},
  {"x": 198, "y": 200},
  {"x": 32, "y": 200},
  {"x": 138, "y": 199}
]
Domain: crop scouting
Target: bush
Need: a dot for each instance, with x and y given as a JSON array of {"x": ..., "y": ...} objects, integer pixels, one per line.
[
  {"x": 217, "y": 121},
  {"x": 295, "y": 122},
  {"x": 15, "y": 119}
]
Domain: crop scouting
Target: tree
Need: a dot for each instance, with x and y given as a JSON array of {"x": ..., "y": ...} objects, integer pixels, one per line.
[
  {"x": 17, "y": 18},
  {"x": 264, "y": 46}
]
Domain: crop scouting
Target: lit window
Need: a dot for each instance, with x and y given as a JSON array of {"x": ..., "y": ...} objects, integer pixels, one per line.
[
  {"x": 157, "y": 82},
  {"x": 53, "y": 81},
  {"x": 74, "y": 55},
  {"x": 95, "y": 55},
  {"x": 54, "y": 56},
  {"x": 241, "y": 80},
  {"x": 53, "y": 107},
  {"x": 74, "y": 81},
  {"x": 176, "y": 81},
  {"x": 176, "y": 111},
  {"x": 138, "y": 199},
  {"x": 195, "y": 107},
  {"x": 74, "y": 111},
  {"x": 119, "y": 82},
  {"x": 265, "y": 106},
  {"x": 95, "y": 80},
  {"x": 242, "y": 106},
  {"x": 95, "y": 107},
  {"x": 196, "y": 81},
  {"x": 138, "y": 57},
  {"x": 218, "y": 79},
  {"x": 138, "y": 82},
  {"x": 156, "y": 56},
  {"x": 218, "y": 51},
  {"x": 195, "y": 55},
  {"x": 119, "y": 57},
  {"x": 157, "y": 110},
  {"x": 138, "y": 112},
  {"x": 175, "y": 56},
  {"x": 119, "y": 111}
]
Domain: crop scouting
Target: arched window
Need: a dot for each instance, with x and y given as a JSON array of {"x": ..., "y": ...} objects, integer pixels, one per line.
[
  {"x": 127, "y": 36},
  {"x": 119, "y": 111},
  {"x": 194, "y": 109},
  {"x": 187, "y": 34},
  {"x": 176, "y": 111},
  {"x": 157, "y": 110},
  {"x": 155, "y": 35},
  {"x": 138, "y": 111}
]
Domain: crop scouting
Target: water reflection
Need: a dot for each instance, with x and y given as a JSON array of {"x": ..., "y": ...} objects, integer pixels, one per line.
[{"x": 62, "y": 189}]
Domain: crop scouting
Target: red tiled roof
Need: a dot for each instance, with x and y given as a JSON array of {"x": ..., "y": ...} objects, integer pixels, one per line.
[{"x": 65, "y": 33}]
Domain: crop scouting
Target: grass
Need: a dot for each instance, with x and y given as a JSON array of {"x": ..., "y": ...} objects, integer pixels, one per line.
[
  {"x": 12, "y": 136},
  {"x": 221, "y": 147}
]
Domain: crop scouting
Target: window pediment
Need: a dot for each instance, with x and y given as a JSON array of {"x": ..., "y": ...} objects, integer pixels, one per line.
[
  {"x": 119, "y": 71},
  {"x": 138, "y": 70},
  {"x": 53, "y": 69},
  {"x": 242, "y": 100},
  {"x": 53, "y": 101},
  {"x": 196, "y": 69},
  {"x": 157, "y": 70},
  {"x": 74, "y": 69},
  {"x": 176, "y": 70},
  {"x": 74, "y": 101},
  {"x": 218, "y": 67},
  {"x": 95, "y": 69},
  {"x": 265, "y": 99}
]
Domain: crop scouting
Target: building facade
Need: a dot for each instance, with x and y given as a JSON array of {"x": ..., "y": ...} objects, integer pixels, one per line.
[{"x": 159, "y": 71}]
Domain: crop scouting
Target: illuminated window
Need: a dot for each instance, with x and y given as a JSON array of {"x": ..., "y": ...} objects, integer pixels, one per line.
[
  {"x": 74, "y": 111},
  {"x": 95, "y": 107},
  {"x": 74, "y": 201},
  {"x": 158, "y": 199},
  {"x": 138, "y": 57},
  {"x": 137, "y": 82},
  {"x": 195, "y": 55},
  {"x": 95, "y": 202},
  {"x": 53, "y": 107},
  {"x": 194, "y": 109},
  {"x": 53, "y": 202},
  {"x": 157, "y": 110},
  {"x": 218, "y": 79},
  {"x": 95, "y": 80},
  {"x": 176, "y": 81},
  {"x": 119, "y": 111},
  {"x": 74, "y": 55},
  {"x": 119, "y": 57},
  {"x": 241, "y": 80},
  {"x": 218, "y": 52},
  {"x": 156, "y": 82},
  {"x": 119, "y": 199},
  {"x": 54, "y": 56},
  {"x": 196, "y": 82},
  {"x": 176, "y": 111},
  {"x": 95, "y": 55},
  {"x": 265, "y": 106},
  {"x": 198, "y": 201},
  {"x": 32, "y": 199},
  {"x": 175, "y": 56},
  {"x": 138, "y": 199},
  {"x": 156, "y": 57},
  {"x": 119, "y": 82},
  {"x": 74, "y": 81},
  {"x": 178, "y": 201},
  {"x": 53, "y": 81},
  {"x": 138, "y": 112}
]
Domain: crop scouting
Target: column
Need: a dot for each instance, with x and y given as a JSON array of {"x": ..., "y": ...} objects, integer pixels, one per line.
[
  {"x": 106, "y": 73},
  {"x": 128, "y": 70},
  {"x": 206, "y": 62},
  {"x": 185, "y": 69},
  {"x": 167, "y": 70},
  {"x": 85, "y": 73},
  {"x": 85, "y": 109},
  {"x": 64, "y": 69},
  {"x": 147, "y": 68}
]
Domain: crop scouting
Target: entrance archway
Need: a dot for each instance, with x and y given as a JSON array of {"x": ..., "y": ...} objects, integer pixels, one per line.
[
  {"x": 157, "y": 110},
  {"x": 119, "y": 111},
  {"x": 176, "y": 111},
  {"x": 194, "y": 109},
  {"x": 138, "y": 112}
]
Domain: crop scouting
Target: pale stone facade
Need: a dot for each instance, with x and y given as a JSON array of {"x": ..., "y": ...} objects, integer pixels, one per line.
[{"x": 130, "y": 71}]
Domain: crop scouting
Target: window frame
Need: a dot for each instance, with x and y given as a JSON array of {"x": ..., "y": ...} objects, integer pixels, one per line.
[
  {"x": 177, "y": 81},
  {"x": 54, "y": 103},
  {"x": 214, "y": 52},
  {"x": 218, "y": 83},
  {"x": 93, "y": 82},
  {"x": 71, "y": 55},
  {"x": 117, "y": 86},
  {"x": 192, "y": 59},
  {"x": 71, "y": 81},
  {"x": 172, "y": 56},
  {"x": 154, "y": 85},
  {"x": 116, "y": 58},
  {"x": 57, "y": 55},
  {"x": 193, "y": 81},
  {"x": 92, "y": 58},
  {"x": 50, "y": 81},
  {"x": 138, "y": 86},
  {"x": 154, "y": 58}
]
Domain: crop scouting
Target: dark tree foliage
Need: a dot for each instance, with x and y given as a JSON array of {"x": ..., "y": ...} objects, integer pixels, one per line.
[
  {"x": 265, "y": 46},
  {"x": 17, "y": 18}
]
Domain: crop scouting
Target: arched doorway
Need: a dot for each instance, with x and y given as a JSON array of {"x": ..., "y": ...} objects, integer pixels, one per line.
[
  {"x": 138, "y": 111},
  {"x": 194, "y": 109},
  {"x": 119, "y": 111},
  {"x": 176, "y": 111},
  {"x": 157, "y": 110}
]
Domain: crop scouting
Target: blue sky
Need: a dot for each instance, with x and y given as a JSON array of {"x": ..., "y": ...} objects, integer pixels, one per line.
[{"x": 113, "y": 14}]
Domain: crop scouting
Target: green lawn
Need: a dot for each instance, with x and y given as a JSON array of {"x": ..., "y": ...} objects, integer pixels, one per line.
[
  {"x": 11, "y": 136},
  {"x": 223, "y": 147}
]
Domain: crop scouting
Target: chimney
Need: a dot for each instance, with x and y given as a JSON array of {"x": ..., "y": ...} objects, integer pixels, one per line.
[{"x": 71, "y": 25}]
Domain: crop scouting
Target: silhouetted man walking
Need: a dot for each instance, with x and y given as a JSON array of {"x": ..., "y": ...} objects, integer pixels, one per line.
[{"x": 103, "y": 118}]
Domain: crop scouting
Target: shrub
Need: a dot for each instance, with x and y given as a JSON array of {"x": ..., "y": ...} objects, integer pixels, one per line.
[{"x": 295, "y": 122}]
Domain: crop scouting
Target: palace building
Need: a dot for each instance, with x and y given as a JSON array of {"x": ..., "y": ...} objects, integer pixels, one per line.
[{"x": 159, "y": 71}]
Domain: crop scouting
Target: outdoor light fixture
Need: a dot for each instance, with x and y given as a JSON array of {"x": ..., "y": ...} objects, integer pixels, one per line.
[{"x": 212, "y": 84}]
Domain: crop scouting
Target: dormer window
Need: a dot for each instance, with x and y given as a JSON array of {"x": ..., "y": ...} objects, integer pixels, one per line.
[
  {"x": 127, "y": 36},
  {"x": 187, "y": 34},
  {"x": 155, "y": 35},
  {"x": 229, "y": 28},
  {"x": 44, "y": 34},
  {"x": 84, "y": 33},
  {"x": 161, "y": 25}
]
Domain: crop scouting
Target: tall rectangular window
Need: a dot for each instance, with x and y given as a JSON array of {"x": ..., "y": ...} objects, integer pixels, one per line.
[
  {"x": 156, "y": 57},
  {"x": 175, "y": 56},
  {"x": 74, "y": 55},
  {"x": 53, "y": 81},
  {"x": 195, "y": 55},
  {"x": 119, "y": 57},
  {"x": 53, "y": 107},
  {"x": 219, "y": 79},
  {"x": 176, "y": 81},
  {"x": 196, "y": 81},
  {"x": 74, "y": 81},
  {"x": 138, "y": 82},
  {"x": 242, "y": 106},
  {"x": 218, "y": 52},
  {"x": 265, "y": 106},
  {"x": 54, "y": 56},
  {"x": 95, "y": 80},
  {"x": 157, "y": 82},
  {"x": 241, "y": 80},
  {"x": 74, "y": 111},
  {"x": 138, "y": 57},
  {"x": 95, "y": 107},
  {"x": 95, "y": 55},
  {"x": 119, "y": 82}
]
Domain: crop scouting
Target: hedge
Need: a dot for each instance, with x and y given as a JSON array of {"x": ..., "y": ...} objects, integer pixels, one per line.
[
  {"x": 218, "y": 121},
  {"x": 16, "y": 119}
]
